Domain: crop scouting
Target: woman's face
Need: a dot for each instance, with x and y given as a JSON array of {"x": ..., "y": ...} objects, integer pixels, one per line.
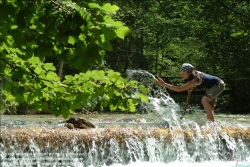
[{"x": 184, "y": 75}]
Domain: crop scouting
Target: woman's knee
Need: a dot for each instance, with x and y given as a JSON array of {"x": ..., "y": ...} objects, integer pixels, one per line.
[{"x": 205, "y": 99}]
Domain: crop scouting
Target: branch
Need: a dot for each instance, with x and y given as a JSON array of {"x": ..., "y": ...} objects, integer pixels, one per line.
[
  {"x": 56, "y": 42},
  {"x": 59, "y": 6},
  {"x": 120, "y": 50},
  {"x": 7, "y": 63},
  {"x": 225, "y": 6},
  {"x": 32, "y": 30},
  {"x": 18, "y": 68}
]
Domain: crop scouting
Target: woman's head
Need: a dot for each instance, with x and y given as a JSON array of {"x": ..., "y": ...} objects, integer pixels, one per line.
[{"x": 187, "y": 71}]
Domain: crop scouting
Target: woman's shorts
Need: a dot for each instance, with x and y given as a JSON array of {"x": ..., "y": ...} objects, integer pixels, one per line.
[{"x": 215, "y": 91}]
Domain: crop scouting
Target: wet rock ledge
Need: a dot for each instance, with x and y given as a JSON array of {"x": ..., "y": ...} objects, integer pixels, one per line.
[{"x": 79, "y": 123}]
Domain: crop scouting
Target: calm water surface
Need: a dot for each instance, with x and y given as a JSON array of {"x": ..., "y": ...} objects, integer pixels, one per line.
[{"x": 116, "y": 120}]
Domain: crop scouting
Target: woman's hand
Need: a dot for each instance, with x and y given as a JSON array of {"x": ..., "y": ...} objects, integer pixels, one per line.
[{"x": 160, "y": 82}]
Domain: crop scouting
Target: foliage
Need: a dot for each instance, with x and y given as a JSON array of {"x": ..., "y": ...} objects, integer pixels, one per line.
[
  {"x": 211, "y": 35},
  {"x": 76, "y": 33}
]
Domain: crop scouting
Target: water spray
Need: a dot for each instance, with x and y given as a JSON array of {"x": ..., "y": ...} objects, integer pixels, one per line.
[{"x": 186, "y": 105}]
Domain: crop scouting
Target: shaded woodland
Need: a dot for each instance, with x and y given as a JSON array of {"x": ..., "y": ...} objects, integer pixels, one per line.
[{"x": 212, "y": 35}]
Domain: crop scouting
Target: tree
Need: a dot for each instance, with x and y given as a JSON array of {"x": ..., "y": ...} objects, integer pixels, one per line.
[
  {"x": 77, "y": 33},
  {"x": 212, "y": 35}
]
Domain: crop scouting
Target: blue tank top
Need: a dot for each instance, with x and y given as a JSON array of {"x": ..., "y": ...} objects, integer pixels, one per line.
[{"x": 208, "y": 81}]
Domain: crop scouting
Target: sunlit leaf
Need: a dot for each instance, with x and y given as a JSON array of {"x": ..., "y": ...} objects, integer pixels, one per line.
[
  {"x": 143, "y": 89},
  {"x": 122, "y": 32},
  {"x": 142, "y": 97},
  {"x": 49, "y": 66},
  {"x": 94, "y": 5},
  {"x": 110, "y": 8},
  {"x": 132, "y": 105},
  {"x": 71, "y": 40}
]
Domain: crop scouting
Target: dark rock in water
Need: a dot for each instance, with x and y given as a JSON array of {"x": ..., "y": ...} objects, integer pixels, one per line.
[
  {"x": 3, "y": 124},
  {"x": 132, "y": 120},
  {"x": 85, "y": 111},
  {"x": 79, "y": 123},
  {"x": 19, "y": 122},
  {"x": 48, "y": 122},
  {"x": 164, "y": 124},
  {"x": 70, "y": 126},
  {"x": 108, "y": 121}
]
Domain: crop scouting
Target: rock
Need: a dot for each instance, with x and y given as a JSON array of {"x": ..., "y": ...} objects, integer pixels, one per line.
[
  {"x": 85, "y": 111},
  {"x": 48, "y": 122},
  {"x": 19, "y": 122},
  {"x": 164, "y": 124},
  {"x": 133, "y": 120},
  {"x": 3, "y": 124},
  {"x": 79, "y": 123},
  {"x": 142, "y": 120},
  {"x": 70, "y": 126},
  {"x": 108, "y": 121}
]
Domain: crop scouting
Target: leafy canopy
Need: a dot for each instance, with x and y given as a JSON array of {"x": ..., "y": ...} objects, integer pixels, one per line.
[{"x": 76, "y": 33}]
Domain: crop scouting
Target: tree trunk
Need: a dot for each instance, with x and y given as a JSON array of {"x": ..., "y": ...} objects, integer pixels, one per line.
[{"x": 60, "y": 69}]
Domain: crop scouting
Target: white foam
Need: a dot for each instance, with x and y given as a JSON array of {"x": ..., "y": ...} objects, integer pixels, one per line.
[{"x": 187, "y": 164}]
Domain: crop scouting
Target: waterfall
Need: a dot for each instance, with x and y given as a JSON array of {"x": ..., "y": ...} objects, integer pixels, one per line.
[{"x": 170, "y": 141}]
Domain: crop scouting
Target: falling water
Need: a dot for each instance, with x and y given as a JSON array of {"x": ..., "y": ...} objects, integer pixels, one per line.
[
  {"x": 168, "y": 142},
  {"x": 160, "y": 102}
]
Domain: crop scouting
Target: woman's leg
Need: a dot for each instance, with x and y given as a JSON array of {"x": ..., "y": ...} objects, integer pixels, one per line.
[
  {"x": 208, "y": 108},
  {"x": 209, "y": 100}
]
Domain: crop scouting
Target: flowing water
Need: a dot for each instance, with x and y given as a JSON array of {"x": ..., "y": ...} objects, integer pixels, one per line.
[{"x": 156, "y": 137}]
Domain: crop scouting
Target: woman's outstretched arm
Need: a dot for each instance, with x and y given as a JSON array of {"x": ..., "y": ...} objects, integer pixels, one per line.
[{"x": 181, "y": 88}]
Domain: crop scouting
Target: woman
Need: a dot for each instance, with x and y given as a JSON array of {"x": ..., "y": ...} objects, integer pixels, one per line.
[{"x": 193, "y": 78}]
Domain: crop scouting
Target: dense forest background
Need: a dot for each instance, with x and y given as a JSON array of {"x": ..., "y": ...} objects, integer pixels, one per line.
[{"x": 212, "y": 35}]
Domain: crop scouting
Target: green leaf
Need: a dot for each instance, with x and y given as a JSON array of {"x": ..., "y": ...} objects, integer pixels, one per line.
[
  {"x": 52, "y": 76},
  {"x": 34, "y": 19},
  {"x": 71, "y": 40},
  {"x": 117, "y": 92},
  {"x": 35, "y": 60},
  {"x": 97, "y": 74},
  {"x": 120, "y": 84},
  {"x": 123, "y": 105},
  {"x": 142, "y": 96},
  {"x": 94, "y": 5},
  {"x": 112, "y": 23},
  {"x": 13, "y": 26},
  {"x": 33, "y": 27},
  {"x": 237, "y": 34},
  {"x": 143, "y": 89},
  {"x": 122, "y": 32},
  {"x": 38, "y": 70},
  {"x": 113, "y": 76},
  {"x": 112, "y": 107},
  {"x": 68, "y": 79},
  {"x": 42, "y": 106},
  {"x": 80, "y": 100},
  {"x": 132, "y": 105},
  {"x": 55, "y": 109},
  {"x": 65, "y": 111},
  {"x": 10, "y": 97},
  {"x": 29, "y": 53},
  {"x": 82, "y": 37},
  {"x": 6, "y": 47},
  {"x": 49, "y": 66},
  {"x": 110, "y": 8},
  {"x": 30, "y": 97}
]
